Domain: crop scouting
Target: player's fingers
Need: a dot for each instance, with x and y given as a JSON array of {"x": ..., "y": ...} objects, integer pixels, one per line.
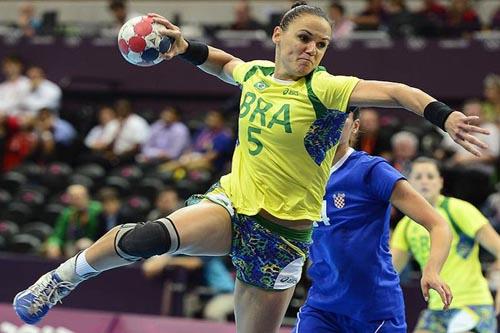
[
  {"x": 165, "y": 22},
  {"x": 156, "y": 15},
  {"x": 472, "y": 140},
  {"x": 468, "y": 146},
  {"x": 425, "y": 291},
  {"x": 442, "y": 294},
  {"x": 449, "y": 294},
  {"x": 473, "y": 129}
]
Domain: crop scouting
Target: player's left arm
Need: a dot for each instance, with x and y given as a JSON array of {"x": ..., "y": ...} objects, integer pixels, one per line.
[
  {"x": 398, "y": 95},
  {"x": 413, "y": 205},
  {"x": 488, "y": 238}
]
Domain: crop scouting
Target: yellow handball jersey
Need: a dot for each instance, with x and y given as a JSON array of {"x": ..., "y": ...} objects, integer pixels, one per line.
[
  {"x": 462, "y": 269},
  {"x": 287, "y": 136}
]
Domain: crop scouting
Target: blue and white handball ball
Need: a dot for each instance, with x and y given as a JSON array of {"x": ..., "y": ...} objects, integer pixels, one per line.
[{"x": 140, "y": 43}]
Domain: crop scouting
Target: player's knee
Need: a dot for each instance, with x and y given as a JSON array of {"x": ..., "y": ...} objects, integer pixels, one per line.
[{"x": 135, "y": 241}]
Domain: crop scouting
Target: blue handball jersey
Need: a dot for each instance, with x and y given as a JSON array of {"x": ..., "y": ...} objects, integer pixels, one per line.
[{"x": 352, "y": 269}]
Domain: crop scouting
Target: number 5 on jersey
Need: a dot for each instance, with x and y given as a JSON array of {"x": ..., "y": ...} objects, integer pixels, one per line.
[{"x": 251, "y": 138}]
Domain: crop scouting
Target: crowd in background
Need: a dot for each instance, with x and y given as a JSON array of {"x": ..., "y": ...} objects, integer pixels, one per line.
[
  {"x": 63, "y": 187},
  {"x": 454, "y": 18}
]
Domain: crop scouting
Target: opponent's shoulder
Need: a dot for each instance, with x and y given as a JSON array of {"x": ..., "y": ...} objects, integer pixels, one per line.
[
  {"x": 368, "y": 161},
  {"x": 243, "y": 71}
]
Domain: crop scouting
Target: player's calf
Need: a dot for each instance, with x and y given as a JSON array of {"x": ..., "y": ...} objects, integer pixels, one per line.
[{"x": 121, "y": 246}]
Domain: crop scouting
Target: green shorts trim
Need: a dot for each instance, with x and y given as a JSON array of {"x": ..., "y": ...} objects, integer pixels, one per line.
[{"x": 298, "y": 235}]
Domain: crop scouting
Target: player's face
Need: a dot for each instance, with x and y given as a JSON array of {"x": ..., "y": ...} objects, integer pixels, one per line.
[
  {"x": 426, "y": 179},
  {"x": 300, "y": 48}
]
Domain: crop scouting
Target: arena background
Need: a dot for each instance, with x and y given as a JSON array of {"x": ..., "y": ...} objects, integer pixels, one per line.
[{"x": 74, "y": 43}]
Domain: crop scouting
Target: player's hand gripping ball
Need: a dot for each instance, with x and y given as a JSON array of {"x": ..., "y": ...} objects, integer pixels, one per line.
[{"x": 141, "y": 43}]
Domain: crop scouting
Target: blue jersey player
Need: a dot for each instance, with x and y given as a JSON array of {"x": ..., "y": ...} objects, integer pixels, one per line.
[{"x": 354, "y": 285}]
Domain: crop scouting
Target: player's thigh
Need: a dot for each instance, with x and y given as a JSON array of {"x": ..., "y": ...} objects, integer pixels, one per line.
[
  {"x": 259, "y": 310},
  {"x": 203, "y": 228}
]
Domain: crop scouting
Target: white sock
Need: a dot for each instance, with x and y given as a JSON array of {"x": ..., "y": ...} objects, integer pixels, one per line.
[
  {"x": 83, "y": 268},
  {"x": 76, "y": 269}
]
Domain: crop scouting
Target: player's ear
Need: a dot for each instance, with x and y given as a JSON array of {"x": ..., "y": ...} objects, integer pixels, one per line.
[
  {"x": 277, "y": 32},
  {"x": 355, "y": 126}
]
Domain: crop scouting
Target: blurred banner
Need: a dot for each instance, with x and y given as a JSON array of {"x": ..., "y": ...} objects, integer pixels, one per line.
[
  {"x": 80, "y": 321},
  {"x": 58, "y": 321}
]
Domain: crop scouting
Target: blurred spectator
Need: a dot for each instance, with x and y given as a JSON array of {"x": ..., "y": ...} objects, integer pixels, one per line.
[
  {"x": 216, "y": 276},
  {"x": 111, "y": 214},
  {"x": 55, "y": 137},
  {"x": 491, "y": 209},
  {"x": 495, "y": 20},
  {"x": 42, "y": 94},
  {"x": 431, "y": 19},
  {"x": 462, "y": 19},
  {"x": 404, "y": 150},
  {"x": 19, "y": 144},
  {"x": 9, "y": 126},
  {"x": 169, "y": 138},
  {"x": 27, "y": 23},
  {"x": 121, "y": 14},
  {"x": 342, "y": 25},
  {"x": 491, "y": 105},
  {"x": 400, "y": 21},
  {"x": 101, "y": 135},
  {"x": 167, "y": 202},
  {"x": 77, "y": 226},
  {"x": 15, "y": 88},
  {"x": 372, "y": 138},
  {"x": 372, "y": 17},
  {"x": 132, "y": 132},
  {"x": 469, "y": 176},
  {"x": 243, "y": 19},
  {"x": 212, "y": 147}
]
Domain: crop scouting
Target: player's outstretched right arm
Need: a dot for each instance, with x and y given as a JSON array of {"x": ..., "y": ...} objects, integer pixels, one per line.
[{"x": 209, "y": 59}]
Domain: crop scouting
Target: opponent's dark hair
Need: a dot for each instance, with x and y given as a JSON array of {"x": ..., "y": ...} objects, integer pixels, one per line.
[
  {"x": 298, "y": 9},
  {"x": 355, "y": 112}
]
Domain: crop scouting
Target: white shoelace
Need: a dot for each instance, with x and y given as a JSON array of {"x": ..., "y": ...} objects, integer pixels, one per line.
[{"x": 56, "y": 291}]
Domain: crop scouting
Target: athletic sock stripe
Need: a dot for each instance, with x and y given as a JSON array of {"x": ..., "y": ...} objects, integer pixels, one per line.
[
  {"x": 119, "y": 236},
  {"x": 171, "y": 230}
]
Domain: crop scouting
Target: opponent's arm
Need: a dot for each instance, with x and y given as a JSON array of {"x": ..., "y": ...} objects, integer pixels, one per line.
[
  {"x": 412, "y": 204},
  {"x": 212, "y": 60},
  {"x": 398, "y": 95},
  {"x": 490, "y": 240}
]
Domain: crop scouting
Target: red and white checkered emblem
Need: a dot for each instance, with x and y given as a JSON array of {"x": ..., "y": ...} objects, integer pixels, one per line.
[{"x": 339, "y": 200}]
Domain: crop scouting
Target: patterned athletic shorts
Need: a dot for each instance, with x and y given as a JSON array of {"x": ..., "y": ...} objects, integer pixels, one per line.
[
  {"x": 265, "y": 255},
  {"x": 477, "y": 318}
]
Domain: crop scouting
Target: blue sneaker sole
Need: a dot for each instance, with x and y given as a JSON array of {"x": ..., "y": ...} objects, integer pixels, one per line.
[{"x": 30, "y": 321}]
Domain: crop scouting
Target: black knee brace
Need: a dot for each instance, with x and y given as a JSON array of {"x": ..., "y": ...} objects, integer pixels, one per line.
[{"x": 136, "y": 241}]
